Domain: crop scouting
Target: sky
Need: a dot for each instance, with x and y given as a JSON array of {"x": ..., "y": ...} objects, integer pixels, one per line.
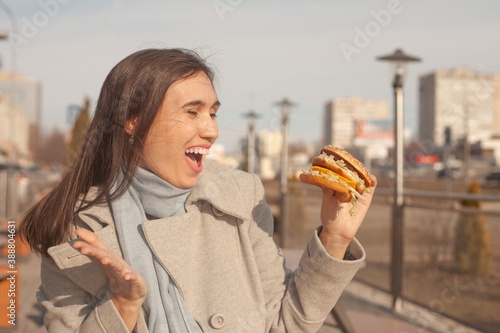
[{"x": 262, "y": 51}]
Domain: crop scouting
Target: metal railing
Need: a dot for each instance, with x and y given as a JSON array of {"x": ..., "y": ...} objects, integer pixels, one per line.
[
  {"x": 429, "y": 274},
  {"x": 19, "y": 189}
]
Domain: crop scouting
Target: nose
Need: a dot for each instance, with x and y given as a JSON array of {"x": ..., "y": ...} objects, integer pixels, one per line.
[{"x": 209, "y": 129}]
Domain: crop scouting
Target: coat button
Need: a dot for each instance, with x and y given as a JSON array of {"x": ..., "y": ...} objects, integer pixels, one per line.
[
  {"x": 217, "y": 212},
  {"x": 218, "y": 321}
]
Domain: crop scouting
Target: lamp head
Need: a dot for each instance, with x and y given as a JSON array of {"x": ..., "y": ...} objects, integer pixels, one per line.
[
  {"x": 285, "y": 105},
  {"x": 398, "y": 62},
  {"x": 251, "y": 116}
]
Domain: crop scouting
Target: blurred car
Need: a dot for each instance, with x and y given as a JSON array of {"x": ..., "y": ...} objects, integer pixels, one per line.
[
  {"x": 16, "y": 187},
  {"x": 494, "y": 176},
  {"x": 492, "y": 179},
  {"x": 453, "y": 173},
  {"x": 10, "y": 167}
]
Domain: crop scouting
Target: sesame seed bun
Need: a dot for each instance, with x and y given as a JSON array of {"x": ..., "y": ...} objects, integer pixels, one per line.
[{"x": 351, "y": 162}]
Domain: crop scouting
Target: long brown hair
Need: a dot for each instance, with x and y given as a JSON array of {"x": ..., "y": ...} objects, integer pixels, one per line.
[{"x": 135, "y": 88}]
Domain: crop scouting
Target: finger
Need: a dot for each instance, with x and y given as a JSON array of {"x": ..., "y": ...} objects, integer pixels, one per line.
[
  {"x": 84, "y": 248},
  {"x": 103, "y": 255},
  {"x": 329, "y": 200},
  {"x": 374, "y": 181},
  {"x": 328, "y": 193},
  {"x": 132, "y": 277},
  {"x": 89, "y": 237},
  {"x": 368, "y": 194},
  {"x": 110, "y": 263},
  {"x": 339, "y": 196},
  {"x": 79, "y": 244},
  {"x": 91, "y": 251},
  {"x": 343, "y": 196}
]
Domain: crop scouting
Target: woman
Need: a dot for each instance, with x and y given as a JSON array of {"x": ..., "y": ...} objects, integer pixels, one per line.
[{"x": 142, "y": 234}]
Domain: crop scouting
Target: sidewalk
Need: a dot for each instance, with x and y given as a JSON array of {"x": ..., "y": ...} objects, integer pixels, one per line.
[
  {"x": 366, "y": 317},
  {"x": 370, "y": 311},
  {"x": 29, "y": 314},
  {"x": 410, "y": 312}
]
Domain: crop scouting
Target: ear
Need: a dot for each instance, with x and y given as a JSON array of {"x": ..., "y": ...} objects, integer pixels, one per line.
[{"x": 130, "y": 125}]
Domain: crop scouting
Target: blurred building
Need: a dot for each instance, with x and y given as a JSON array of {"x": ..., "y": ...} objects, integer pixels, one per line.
[
  {"x": 24, "y": 93},
  {"x": 218, "y": 154},
  {"x": 465, "y": 100},
  {"x": 340, "y": 116},
  {"x": 373, "y": 139},
  {"x": 14, "y": 132},
  {"x": 270, "y": 143}
]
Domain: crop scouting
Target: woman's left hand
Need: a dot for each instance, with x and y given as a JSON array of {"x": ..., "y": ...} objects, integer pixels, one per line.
[
  {"x": 127, "y": 288},
  {"x": 339, "y": 227}
]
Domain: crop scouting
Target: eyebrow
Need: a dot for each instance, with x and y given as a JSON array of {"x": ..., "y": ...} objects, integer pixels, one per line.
[{"x": 199, "y": 102}]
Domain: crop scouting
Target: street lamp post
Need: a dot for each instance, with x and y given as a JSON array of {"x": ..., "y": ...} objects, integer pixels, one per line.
[
  {"x": 285, "y": 106},
  {"x": 14, "y": 34},
  {"x": 398, "y": 61},
  {"x": 252, "y": 117},
  {"x": 3, "y": 35}
]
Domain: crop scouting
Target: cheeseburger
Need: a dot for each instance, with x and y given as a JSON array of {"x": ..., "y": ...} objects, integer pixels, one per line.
[{"x": 338, "y": 170}]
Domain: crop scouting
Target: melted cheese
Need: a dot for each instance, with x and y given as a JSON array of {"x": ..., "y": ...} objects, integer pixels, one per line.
[
  {"x": 335, "y": 177},
  {"x": 342, "y": 164},
  {"x": 351, "y": 183}
]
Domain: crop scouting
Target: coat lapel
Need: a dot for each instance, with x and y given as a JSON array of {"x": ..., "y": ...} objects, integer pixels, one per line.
[
  {"x": 216, "y": 186},
  {"x": 77, "y": 266}
]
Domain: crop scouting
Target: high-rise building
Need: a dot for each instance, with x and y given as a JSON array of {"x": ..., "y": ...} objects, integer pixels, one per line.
[
  {"x": 14, "y": 136},
  {"x": 270, "y": 144},
  {"x": 24, "y": 93},
  {"x": 466, "y": 101},
  {"x": 341, "y": 114}
]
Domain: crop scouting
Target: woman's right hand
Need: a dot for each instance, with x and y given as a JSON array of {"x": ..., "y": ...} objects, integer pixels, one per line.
[{"x": 127, "y": 288}]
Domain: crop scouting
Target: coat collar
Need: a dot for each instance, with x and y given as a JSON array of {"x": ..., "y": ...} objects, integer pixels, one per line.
[
  {"x": 100, "y": 213},
  {"x": 217, "y": 184}
]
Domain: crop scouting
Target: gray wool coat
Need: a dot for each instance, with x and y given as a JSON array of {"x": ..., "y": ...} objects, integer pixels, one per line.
[{"x": 220, "y": 254}]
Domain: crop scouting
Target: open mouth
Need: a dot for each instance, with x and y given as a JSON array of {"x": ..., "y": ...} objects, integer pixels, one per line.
[{"x": 195, "y": 157}]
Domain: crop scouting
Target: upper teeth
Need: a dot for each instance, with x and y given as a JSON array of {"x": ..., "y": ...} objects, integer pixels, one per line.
[{"x": 197, "y": 150}]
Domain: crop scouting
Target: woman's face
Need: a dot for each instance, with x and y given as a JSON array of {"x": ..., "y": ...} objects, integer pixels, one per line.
[{"x": 183, "y": 131}]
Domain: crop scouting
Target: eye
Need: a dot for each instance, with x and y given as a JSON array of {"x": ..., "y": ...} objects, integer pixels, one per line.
[
  {"x": 213, "y": 115},
  {"x": 192, "y": 112}
]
